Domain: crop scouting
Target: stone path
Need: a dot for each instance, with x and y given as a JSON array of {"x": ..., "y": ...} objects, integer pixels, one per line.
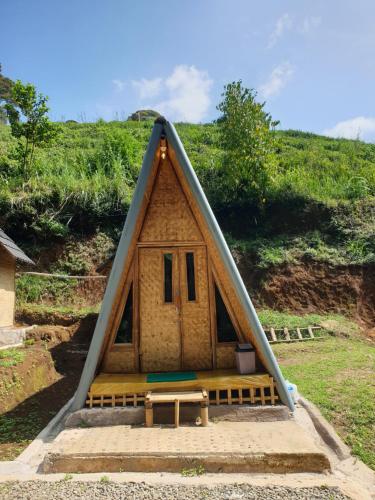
[{"x": 224, "y": 446}]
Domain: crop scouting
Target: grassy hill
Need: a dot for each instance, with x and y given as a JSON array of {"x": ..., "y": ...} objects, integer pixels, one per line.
[{"x": 320, "y": 205}]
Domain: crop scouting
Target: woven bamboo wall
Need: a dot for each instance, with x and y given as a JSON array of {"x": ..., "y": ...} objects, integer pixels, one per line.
[
  {"x": 119, "y": 360},
  {"x": 225, "y": 356},
  {"x": 7, "y": 288},
  {"x": 168, "y": 216}
]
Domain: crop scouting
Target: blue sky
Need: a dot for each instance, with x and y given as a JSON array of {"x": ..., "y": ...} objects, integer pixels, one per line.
[{"x": 313, "y": 62}]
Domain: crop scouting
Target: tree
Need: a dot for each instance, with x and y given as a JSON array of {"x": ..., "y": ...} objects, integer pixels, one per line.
[
  {"x": 27, "y": 115},
  {"x": 248, "y": 143},
  {"x": 5, "y": 95}
]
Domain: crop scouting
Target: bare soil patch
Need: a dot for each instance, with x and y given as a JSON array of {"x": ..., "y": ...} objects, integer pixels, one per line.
[{"x": 314, "y": 287}]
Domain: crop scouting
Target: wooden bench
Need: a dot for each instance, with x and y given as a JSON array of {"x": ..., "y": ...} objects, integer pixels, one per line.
[{"x": 176, "y": 398}]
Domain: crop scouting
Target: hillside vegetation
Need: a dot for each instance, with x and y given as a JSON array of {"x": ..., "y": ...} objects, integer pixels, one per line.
[{"x": 320, "y": 203}]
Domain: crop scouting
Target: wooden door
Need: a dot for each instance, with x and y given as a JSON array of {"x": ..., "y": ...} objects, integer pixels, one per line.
[
  {"x": 174, "y": 315},
  {"x": 195, "y": 309},
  {"x": 159, "y": 315}
]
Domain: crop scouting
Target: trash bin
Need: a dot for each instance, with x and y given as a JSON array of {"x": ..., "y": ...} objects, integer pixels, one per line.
[{"x": 245, "y": 358}]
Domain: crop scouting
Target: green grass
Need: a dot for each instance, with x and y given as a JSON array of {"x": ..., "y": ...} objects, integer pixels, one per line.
[
  {"x": 74, "y": 311},
  {"x": 11, "y": 357},
  {"x": 17, "y": 432},
  {"x": 337, "y": 375},
  {"x": 335, "y": 323}
]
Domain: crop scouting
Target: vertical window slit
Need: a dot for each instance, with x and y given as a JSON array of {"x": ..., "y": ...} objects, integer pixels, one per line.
[
  {"x": 190, "y": 275},
  {"x": 168, "y": 279}
]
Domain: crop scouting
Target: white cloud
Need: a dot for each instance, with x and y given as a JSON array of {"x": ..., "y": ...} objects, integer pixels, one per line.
[
  {"x": 119, "y": 84},
  {"x": 283, "y": 24},
  {"x": 147, "y": 88},
  {"x": 286, "y": 23},
  {"x": 187, "y": 94},
  {"x": 277, "y": 80},
  {"x": 309, "y": 24},
  {"x": 358, "y": 127}
]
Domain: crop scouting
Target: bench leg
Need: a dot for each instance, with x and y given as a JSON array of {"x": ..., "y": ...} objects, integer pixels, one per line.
[
  {"x": 204, "y": 414},
  {"x": 176, "y": 413},
  {"x": 149, "y": 415}
]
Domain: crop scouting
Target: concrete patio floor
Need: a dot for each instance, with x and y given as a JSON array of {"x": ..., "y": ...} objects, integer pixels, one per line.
[{"x": 278, "y": 447}]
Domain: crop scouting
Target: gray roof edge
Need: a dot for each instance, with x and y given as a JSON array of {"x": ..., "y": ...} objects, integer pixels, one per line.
[
  {"x": 13, "y": 249},
  {"x": 89, "y": 369},
  {"x": 200, "y": 197}
]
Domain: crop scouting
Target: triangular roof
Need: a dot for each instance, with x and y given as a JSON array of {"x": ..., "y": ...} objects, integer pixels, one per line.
[
  {"x": 9, "y": 245},
  {"x": 161, "y": 129}
]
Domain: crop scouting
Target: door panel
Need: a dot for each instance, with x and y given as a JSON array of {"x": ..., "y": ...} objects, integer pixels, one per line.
[
  {"x": 174, "y": 335},
  {"x": 160, "y": 337},
  {"x": 197, "y": 350}
]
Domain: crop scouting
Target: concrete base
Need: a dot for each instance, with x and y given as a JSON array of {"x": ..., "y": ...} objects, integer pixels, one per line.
[
  {"x": 12, "y": 336},
  {"x": 164, "y": 414},
  {"x": 277, "y": 447}
]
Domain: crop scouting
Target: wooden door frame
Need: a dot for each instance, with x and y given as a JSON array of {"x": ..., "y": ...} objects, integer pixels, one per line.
[{"x": 177, "y": 248}]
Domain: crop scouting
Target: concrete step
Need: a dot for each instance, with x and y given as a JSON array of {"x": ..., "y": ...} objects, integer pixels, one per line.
[{"x": 263, "y": 447}]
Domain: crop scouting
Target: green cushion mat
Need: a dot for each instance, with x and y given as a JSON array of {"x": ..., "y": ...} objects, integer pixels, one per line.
[{"x": 171, "y": 376}]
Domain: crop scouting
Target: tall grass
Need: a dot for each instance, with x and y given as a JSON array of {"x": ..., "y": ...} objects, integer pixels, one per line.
[{"x": 88, "y": 176}]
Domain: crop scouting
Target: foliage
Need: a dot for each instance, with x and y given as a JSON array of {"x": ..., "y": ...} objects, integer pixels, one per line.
[
  {"x": 11, "y": 357},
  {"x": 37, "y": 289},
  {"x": 84, "y": 181},
  {"x": 198, "y": 470},
  {"x": 248, "y": 144},
  {"x": 5, "y": 95},
  {"x": 27, "y": 115},
  {"x": 75, "y": 312},
  {"x": 276, "y": 319},
  {"x": 337, "y": 375}
]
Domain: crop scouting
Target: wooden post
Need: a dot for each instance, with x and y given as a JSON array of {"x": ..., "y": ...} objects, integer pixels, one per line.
[
  {"x": 149, "y": 411},
  {"x": 299, "y": 334},
  {"x": 204, "y": 414},
  {"x": 309, "y": 329},
  {"x": 149, "y": 416},
  {"x": 177, "y": 413},
  {"x": 287, "y": 335},
  {"x": 272, "y": 391},
  {"x": 273, "y": 335},
  {"x": 217, "y": 397}
]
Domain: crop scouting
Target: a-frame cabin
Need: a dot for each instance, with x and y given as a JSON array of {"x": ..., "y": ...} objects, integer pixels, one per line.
[{"x": 175, "y": 301}]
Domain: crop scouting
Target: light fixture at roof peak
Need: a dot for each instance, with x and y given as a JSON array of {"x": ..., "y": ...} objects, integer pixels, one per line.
[{"x": 163, "y": 149}]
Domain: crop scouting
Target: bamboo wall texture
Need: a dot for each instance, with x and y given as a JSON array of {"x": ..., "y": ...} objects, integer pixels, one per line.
[
  {"x": 197, "y": 351},
  {"x": 7, "y": 288},
  {"x": 169, "y": 217},
  {"x": 160, "y": 337}
]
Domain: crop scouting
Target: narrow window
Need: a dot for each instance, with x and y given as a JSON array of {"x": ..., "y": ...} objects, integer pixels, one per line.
[
  {"x": 168, "y": 282},
  {"x": 125, "y": 330},
  {"x": 190, "y": 275},
  {"x": 225, "y": 328}
]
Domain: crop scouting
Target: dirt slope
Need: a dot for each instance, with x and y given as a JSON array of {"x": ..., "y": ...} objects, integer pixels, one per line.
[{"x": 314, "y": 287}]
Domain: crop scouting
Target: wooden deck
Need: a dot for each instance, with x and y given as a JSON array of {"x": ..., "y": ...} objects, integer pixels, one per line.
[{"x": 223, "y": 386}]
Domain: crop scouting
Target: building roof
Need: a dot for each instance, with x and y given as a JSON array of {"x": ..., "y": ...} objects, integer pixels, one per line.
[
  {"x": 163, "y": 128},
  {"x": 9, "y": 245}
]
